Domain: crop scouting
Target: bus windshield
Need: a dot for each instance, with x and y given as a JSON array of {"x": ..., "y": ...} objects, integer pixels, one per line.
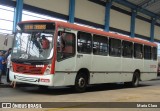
[{"x": 33, "y": 44}]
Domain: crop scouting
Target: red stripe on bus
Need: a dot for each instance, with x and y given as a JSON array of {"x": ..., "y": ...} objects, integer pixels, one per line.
[{"x": 95, "y": 31}]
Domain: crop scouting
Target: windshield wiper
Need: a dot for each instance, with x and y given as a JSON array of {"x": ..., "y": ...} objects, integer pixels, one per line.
[
  {"x": 18, "y": 60},
  {"x": 31, "y": 61}
]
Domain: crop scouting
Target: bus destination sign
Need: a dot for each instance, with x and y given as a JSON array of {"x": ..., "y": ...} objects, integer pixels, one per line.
[{"x": 35, "y": 26}]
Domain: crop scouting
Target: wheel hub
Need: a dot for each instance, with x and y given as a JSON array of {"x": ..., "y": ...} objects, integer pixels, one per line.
[{"x": 81, "y": 82}]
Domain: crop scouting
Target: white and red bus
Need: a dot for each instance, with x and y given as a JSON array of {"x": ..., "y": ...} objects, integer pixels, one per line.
[{"x": 78, "y": 56}]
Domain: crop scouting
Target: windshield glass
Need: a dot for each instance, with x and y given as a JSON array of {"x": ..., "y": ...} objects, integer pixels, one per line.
[{"x": 33, "y": 45}]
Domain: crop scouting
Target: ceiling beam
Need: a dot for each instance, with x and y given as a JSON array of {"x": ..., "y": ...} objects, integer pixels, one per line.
[
  {"x": 149, "y": 3},
  {"x": 143, "y": 2},
  {"x": 136, "y": 7}
]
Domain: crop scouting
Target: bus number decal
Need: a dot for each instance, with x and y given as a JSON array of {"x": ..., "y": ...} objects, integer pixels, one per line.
[
  {"x": 152, "y": 66},
  {"x": 45, "y": 80}
]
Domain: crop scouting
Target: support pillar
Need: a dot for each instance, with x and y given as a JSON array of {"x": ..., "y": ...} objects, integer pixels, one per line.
[
  {"x": 152, "y": 29},
  {"x": 17, "y": 13},
  {"x": 71, "y": 10},
  {"x": 132, "y": 26},
  {"x": 107, "y": 15}
]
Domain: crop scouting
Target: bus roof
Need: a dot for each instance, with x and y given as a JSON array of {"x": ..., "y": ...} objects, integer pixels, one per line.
[{"x": 94, "y": 31}]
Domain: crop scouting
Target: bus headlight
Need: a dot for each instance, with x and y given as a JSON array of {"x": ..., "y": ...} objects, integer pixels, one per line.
[{"x": 48, "y": 70}]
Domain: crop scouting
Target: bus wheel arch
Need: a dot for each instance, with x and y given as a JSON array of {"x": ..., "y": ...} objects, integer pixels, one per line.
[{"x": 82, "y": 80}]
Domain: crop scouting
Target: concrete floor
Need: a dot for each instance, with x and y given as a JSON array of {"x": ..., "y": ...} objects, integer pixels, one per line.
[{"x": 148, "y": 91}]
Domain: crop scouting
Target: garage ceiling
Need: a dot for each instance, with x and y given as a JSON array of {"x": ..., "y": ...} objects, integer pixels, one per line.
[{"x": 150, "y": 5}]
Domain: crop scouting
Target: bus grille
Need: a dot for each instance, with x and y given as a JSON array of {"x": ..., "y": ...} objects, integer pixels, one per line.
[{"x": 28, "y": 69}]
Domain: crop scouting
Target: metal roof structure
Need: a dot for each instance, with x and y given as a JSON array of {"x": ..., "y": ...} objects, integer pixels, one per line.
[{"x": 148, "y": 7}]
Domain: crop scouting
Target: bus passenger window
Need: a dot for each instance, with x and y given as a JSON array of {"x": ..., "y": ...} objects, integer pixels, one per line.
[
  {"x": 84, "y": 42},
  {"x": 147, "y": 52},
  {"x": 138, "y": 51},
  {"x": 100, "y": 45},
  {"x": 65, "y": 45},
  {"x": 127, "y": 49},
  {"x": 115, "y": 47},
  {"x": 154, "y": 53}
]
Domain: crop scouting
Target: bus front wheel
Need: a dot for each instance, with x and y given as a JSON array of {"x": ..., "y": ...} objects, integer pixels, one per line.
[
  {"x": 42, "y": 87},
  {"x": 80, "y": 82}
]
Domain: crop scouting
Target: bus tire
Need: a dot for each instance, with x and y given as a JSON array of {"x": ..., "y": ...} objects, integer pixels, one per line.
[
  {"x": 42, "y": 87},
  {"x": 135, "y": 79},
  {"x": 80, "y": 82}
]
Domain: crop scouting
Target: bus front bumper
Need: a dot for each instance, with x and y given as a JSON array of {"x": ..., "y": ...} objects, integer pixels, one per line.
[{"x": 46, "y": 80}]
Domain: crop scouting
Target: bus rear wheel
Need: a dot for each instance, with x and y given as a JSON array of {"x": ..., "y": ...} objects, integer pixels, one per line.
[
  {"x": 135, "y": 80},
  {"x": 80, "y": 82}
]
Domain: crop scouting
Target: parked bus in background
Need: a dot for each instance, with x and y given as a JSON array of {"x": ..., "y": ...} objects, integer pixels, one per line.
[
  {"x": 6, "y": 41},
  {"x": 79, "y": 56}
]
